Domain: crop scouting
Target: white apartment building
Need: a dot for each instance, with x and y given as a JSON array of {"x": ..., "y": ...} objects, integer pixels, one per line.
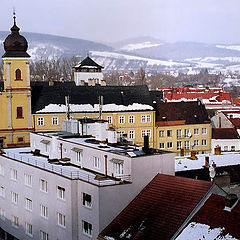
[{"x": 70, "y": 186}]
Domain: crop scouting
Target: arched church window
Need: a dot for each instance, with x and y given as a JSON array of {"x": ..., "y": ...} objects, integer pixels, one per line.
[{"x": 18, "y": 74}]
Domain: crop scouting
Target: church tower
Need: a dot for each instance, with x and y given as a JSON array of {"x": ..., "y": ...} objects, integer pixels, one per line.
[{"x": 15, "y": 95}]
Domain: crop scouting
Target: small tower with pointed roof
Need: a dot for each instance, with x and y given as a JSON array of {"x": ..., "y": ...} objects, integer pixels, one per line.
[
  {"x": 88, "y": 72},
  {"x": 16, "y": 97}
]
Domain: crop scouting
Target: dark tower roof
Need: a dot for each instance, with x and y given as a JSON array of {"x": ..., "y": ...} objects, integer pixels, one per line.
[
  {"x": 15, "y": 45},
  {"x": 86, "y": 63}
]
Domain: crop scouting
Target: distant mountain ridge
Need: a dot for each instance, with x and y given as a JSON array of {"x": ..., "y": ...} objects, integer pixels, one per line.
[{"x": 151, "y": 53}]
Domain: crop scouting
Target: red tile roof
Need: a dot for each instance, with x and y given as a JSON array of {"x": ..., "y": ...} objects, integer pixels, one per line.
[
  {"x": 235, "y": 122},
  {"x": 213, "y": 214},
  {"x": 159, "y": 210},
  {"x": 236, "y": 101},
  {"x": 224, "y": 133}
]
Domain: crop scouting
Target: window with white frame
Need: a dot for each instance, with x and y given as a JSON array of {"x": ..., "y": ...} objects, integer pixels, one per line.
[
  {"x": 2, "y": 191},
  {"x": 43, "y": 235},
  {"x": 204, "y": 131},
  {"x": 179, "y": 133},
  {"x": 204, "y": 142},
  {"x": 179, "y": 145},
  {"x": 225, "y": 148},
  {"x": 28, "y": 204},
  {"x": 55, "y": 121},
  {"x": 61, "y": 220},
  {"x": 79, "y": 156},
  {"x": 161, "y": 133},
  {"x": 87, "y": 200},
  {"x": 146, "y": 132},
  {"x": 109, "y": 119},
  {"x": 60, "y": 192},
  {"x": 1, "y": 170},
  {"x": 196, "y": 142},
  {"x": 40, "y": 121},
  {"x": 233, "y": 148},
  {"x": 43, "y": 211},
  {"x": 118, "y": 168},
  {"x": 196, "y": 131},
  {"x": 187, "y": 133},
  {"x": 121, "y": 133},
  {"x": 28, "y": 229},
  {"x": 96, "y": 162},
  {"x": 87, "y": 228},
  {"x": 2, "y": 214},
  {"x": 146, "y": 118},
  {"x": 131, "y": 134},
  {"x": 131, "y": 119},
  {"x": 169, "y": 145},
  {"x": 28, "y": 179},
  {"x": 121, "y": 119},
  {"x": 15, "y": 221},
  {"x": 161, "y": 145},
  {"x": 169, "y": 133},
  {"x": 43, "y": 185},
  {"x": 14, "y": 197},
  {"x": 13, "y": 174},
  {"x": 187, "y": 144}
]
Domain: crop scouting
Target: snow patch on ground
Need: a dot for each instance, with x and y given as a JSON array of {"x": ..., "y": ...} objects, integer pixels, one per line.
[
  {"x": 233, "y": 47},
  {"x": 202, "y": 232},
  {"x": 95, "y": 108},
  {"x": 131, "y": 47}
]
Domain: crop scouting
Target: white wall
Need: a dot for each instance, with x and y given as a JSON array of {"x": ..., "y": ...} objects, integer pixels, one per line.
[
  {"x": 226, "y": 143},
  {"x": 85, "y": 76}
]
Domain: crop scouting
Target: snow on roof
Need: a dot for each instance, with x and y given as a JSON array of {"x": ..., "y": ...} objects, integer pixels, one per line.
[
  {"x": 95, "y": 108},
  {"x": 202, "y": 232},
  {"x": 226, "y": 159}
]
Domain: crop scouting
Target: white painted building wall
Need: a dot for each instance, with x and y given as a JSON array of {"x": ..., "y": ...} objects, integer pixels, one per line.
[
  {"x": 226, "y": 144},
  {"x": 86, "y": 76}
]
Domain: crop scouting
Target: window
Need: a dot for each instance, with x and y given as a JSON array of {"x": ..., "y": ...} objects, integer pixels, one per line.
[
  {"x": 187, "y": 144},
  {"x": 86, "y": 200},
  {"x": 161, "y": 133},
  {"x": 121, "y": 119},
  {"x": 233, "y": 148},
  {"x": 19, "y": 112},
  {"x": 43, "y": 185},
  {"x": 118, "y": 168},
  {"x": 196, "y": 142},
  {"x": 131, "y": 134},
  {"x": 28, "y": 229},
  {"x": 187, "y": 133},
  {"x": 146, "y": 118},
  {"x": 179, "y": 133},
  {"x": 28, "y": 204},
  {"x": 225, "y": 148},
  {"x": 196, "y": 131},
  {"x": 79, "y": 156},
  {"x": 18, "y": 75},
  {"x": 28, "y": 180},
  {"x": 204, "y": 131},
  {"x": 87, "y": 228},
  {"x": 179, "y": 145},
  {"x": 169, "y": 133},
  {"x": 20, "y": 139},
  {"x": 15, "y": 222},
  {"x": 2, "y": 191},
  {"x": 54, "y": 120},
  {"x": 161, "y": 145},
  {"x": 204, "y": 142},
  {"x": 169, "y": 145},
  {"x": 131, "y": 119},
  {"x": 43, "y": 211},
  {"x": 61, "y": 220},
  {"x": 40, "y": 121},
  {"x": 96, "y": 162},
  {"x": 60, "y": 192},
  {"x": 109, "y": 119},
  {"x": 2, "y": 214},
  {"x": 14, "y": 197},
  {"x": 1, "y": 170},
  {"x": 43, "y": 235},
  {"x": 121, "y": 133},
  {"x": 13, "y": 174},
  {"x": 146, "y": 132}
]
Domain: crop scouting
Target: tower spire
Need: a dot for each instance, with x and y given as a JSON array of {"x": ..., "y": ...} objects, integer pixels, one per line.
[{"x": 14, "y": 16}]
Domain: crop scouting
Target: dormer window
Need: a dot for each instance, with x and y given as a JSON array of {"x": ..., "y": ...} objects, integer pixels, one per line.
[{"x": 18, "y": 75}]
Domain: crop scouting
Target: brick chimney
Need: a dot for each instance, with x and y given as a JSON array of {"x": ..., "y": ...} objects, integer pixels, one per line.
[
  {"x": 193, "y": 155},
  {"x": 182, "y": 152},
  {"x": 206, "y": 161}
]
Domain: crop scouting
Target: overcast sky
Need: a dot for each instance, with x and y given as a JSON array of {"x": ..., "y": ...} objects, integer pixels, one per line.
[{"x": 211, "y": 21}]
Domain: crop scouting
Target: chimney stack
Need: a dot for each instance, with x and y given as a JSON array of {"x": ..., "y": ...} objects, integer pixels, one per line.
[
  {"x": 193, "y": 155},
  {"x": 217, "y": 150},
  {"x": 206, "y": 161},
  {"x": 182, "y": 152},
  {"x": 146, "y": 144}
]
